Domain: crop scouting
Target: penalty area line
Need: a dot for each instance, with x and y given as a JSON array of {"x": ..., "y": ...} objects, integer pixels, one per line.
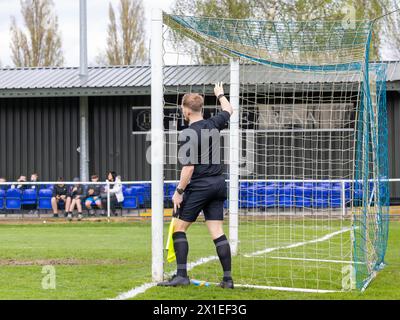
[
  {"x": 298, "y": 244},
  {"x": 143, "y": 288}
]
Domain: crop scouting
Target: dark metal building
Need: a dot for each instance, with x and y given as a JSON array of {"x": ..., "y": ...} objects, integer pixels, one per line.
[{"x": 40, "y": 114}]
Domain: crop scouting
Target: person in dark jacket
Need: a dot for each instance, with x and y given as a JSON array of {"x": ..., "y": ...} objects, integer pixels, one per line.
[
  {"x": 22, "y": 187},
  {"x": 93, "y": 195},
  {"x": 74, "y": 198},
  {"x": 60, "y": 193}
]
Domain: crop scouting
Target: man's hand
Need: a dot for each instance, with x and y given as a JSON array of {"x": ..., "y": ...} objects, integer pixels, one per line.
[
  {"x": 218, "y": 89},
  {"x": 177, "y": 200},
  {"x": 90, "y": 192},
  {"x": 225, "y": 105}
]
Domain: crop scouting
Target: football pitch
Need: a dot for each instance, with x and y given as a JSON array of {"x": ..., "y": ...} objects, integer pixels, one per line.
[{"x": 101, "y": 260}]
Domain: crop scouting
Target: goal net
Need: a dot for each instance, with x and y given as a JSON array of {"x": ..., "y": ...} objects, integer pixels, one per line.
[{"x": 308, "y": 191}]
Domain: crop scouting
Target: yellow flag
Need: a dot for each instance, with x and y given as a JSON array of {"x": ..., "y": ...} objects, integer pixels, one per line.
[{"x": 170, "y": 243}]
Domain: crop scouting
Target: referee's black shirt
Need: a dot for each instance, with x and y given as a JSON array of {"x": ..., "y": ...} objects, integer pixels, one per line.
[{"x": 200, "y": 146}]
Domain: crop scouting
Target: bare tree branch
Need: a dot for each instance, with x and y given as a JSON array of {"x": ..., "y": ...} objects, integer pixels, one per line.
[
  {"x": 278, "y": 10},
  {"x": 125, "y": 39},
  {"x": 39, "y": 42}
]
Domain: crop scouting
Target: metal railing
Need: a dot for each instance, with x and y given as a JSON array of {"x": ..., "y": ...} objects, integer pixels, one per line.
[
  {"x": 126, "y": 184},
  {"x": 49, "y": 185}
]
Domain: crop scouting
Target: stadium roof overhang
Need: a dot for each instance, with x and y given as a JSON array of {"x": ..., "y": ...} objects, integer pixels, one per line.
[{"x": 135, "y": 80}]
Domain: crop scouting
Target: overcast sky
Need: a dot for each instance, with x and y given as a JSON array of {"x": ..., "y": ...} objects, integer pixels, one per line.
[{"x": 68, "y": 15}]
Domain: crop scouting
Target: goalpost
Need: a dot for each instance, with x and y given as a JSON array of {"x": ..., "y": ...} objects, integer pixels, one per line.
[{"x": 305, "y": 151}]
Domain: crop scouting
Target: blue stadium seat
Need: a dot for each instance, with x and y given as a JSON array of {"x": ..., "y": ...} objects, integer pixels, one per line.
[
  {"x": 248, "y": 196},
  {"x": 335, "y": 195},
  {"x": 260, "y": 185},
  {"x": 29, "y": 197},
  {"x": 147, "y": 194},
  {"x": 266, "y": 195},
  {"x": 243, "y": 185},
  {"x": 266, "y": 201},
  {"x": 285, "y": 195},
  {"x": 130, "y": 198},
  {"x": 139, "y": 191},
  {"x": 358, "y": 193},
  {"x": 2, "y": 195},
  {"x": 303, "y": 195},
  {"x": 13, "y": 199},
  {"x": 44, "y": 199},
  {"x": 129, "y": 203},
  {"x": 321, "y": 195}
]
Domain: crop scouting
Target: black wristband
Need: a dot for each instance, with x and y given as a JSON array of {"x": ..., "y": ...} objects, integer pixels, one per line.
[
  {"x": 180, "y": 191},
  {"x": 220, "y": 96}
]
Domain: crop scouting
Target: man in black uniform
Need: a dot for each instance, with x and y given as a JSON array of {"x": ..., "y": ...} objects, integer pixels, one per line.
[{"x": 202, "y": 185}]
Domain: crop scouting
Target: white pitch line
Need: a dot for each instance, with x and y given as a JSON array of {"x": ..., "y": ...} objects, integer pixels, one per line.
[
  {"x": 298, "y": 244},
  {"x": 283, "y": 288},
  {"x": 143, "y": 288},
  {"x": 135, "y": 291},
  {"x": 316, "y": 260}
]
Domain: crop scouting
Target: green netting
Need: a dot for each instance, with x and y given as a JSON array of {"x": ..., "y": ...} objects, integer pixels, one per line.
[
  {"x": 340, "y": 51},
  {"x": 371, "y": 219},
  {"x": 296, "y": 45}
]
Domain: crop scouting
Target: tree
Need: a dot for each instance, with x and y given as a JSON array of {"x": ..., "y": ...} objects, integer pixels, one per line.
[
  {"x": 39, "y": 42},
  {"x": 125, "y": 40},
  {"x": 308, "y": 10},
  {"x": 372, "y": 9},
  {"x": 391, "y": 30},
  {"x": 275, "y": 10},
  {"x": 234, "y": 9}
]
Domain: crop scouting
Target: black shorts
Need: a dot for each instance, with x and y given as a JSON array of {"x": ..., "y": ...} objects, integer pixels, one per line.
[{"x": 206, "y": 194}]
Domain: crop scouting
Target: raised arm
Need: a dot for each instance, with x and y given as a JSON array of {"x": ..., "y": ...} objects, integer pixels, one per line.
[{"x": 219, "y": 93}]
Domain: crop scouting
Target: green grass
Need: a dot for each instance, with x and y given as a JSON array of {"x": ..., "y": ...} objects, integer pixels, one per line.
[{"x": 101, "y": 260}]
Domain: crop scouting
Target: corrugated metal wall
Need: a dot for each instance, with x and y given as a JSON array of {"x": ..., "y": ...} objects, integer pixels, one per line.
[
  {"x": 112, "y": 144},
  {"x": 39, "y": 135},
  {"x": 42, "y": 134},
  {"x": 393, "y": 109}
]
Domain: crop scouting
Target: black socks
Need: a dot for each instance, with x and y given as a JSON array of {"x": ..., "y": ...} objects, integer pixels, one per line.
[
  {"x": 181, "y": 247},
  {"x": 224, "y": 254}
]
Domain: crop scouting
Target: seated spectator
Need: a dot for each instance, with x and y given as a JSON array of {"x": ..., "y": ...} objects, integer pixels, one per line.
[
  {"x": 35, "y": 178},
  {"x": 116, "y": 195},
  {"x": 21, "y": 186},
  {"x": 74, "y": 199},
  {"x": 3, "y": 186},
  {"x": 60, "y": 193},
  {"x": 93, "y": 195}
]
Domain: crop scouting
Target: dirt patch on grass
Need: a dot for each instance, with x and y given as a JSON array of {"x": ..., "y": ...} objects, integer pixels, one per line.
[{"x": 60, "y": 262}]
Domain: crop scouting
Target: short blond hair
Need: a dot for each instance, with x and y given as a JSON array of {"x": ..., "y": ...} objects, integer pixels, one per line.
[{"x": 193, "y": 101}]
